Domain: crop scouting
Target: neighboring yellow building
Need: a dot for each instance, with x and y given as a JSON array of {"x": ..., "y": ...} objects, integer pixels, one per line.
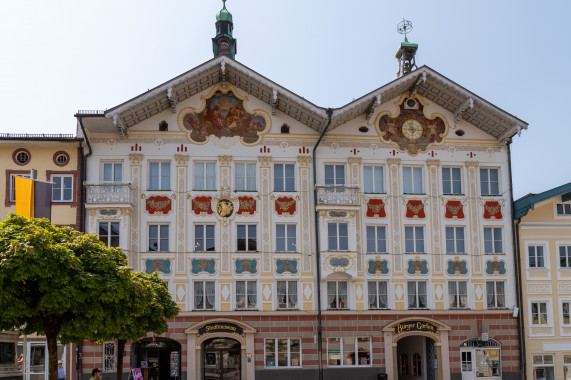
[{"x": 543, "y": 228}]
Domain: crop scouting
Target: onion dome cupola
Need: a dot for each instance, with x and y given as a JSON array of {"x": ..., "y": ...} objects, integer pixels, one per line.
[
  {"x": 224, "y": 43},
  {"x": 407, "y": 50}
]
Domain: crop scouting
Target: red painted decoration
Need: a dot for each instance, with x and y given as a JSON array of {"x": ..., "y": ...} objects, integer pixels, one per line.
[
  {"x": 492, "y": 210},
  {"x": 376, "y": 208},
  {"x": 201, "y": 205},
  {"x": 454, "y": 210},
  {"x": 415, "y": 209},
  {"x": 285, "y": 206},
  {"x": 247, "y": 205},
  {"x": 158, "y": 204}
]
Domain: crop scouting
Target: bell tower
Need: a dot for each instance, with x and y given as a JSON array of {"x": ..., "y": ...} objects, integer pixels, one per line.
[
  {"x": 224, "y": 43},
  {"x": 407, "y": 50}
]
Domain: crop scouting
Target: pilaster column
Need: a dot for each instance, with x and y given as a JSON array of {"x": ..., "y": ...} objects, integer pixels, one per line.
[
  {"x": 225, "y": 225},
  {"x": 266, "y": 210},
  {"x": 181, "y": 181},
  {"x": 305, "y": 192},
  {"x": 434, "y": 214},
  {"x": 394, "y": 165},
  {"x": 136, "y": 160},
  {"x": 472, "y": 169},
  {"x": 355, "y": 169}
]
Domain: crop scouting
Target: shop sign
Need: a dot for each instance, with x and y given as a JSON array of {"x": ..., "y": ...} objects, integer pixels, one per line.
[
  {"x": 221, "y": 327},
  {"x": 416, "y": 326}
]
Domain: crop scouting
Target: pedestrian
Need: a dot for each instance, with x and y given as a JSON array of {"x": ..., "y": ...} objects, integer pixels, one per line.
[
  {"x": 60, "y": 370},
  {"x": 21, "y": 359},
  {"x": 95, "y": 374}
]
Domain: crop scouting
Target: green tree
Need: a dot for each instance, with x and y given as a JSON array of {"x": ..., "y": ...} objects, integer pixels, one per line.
[{"x": 60, "y": 283}]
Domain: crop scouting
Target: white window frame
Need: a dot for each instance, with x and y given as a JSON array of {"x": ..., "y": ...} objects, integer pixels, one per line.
[
  {"x": 416, "y": 241},
  {"x": 415, "y": 176},
  {"x": 486, "y": 186},
  {"x": 341, "y": 242},
  {"x": 343, "y": 355},
  {"x": 285, "y": 183},
  {"x": 495, "y": 295},
  {"x": 160, "y": 238},
  {"x": 109, "y": 359},
  {"x": 373, "y": 182},
  {"x": 13, "y": 184},
  {"x": 290, "y": 363},
  {"x": 203, "y": 238},
  {"x": 247, "y": 238},
  {"x": 494, "y": 240},
  {"x": 453, "y": 180},
  {"x": 109, "y": 236},
  {"x": 207, "y": 181},
  {"x": 373, "y": 232},
  {"x": 541, "y": 311},
  {"x": 337, "y": 302},
  {"x": 335, "y": 181},
  {"x": 113, "y": 165},
  {"x": 417, "y": 295},
  {"x": 455, "y": 240},
  {"x": 567, "y": 248},
  {"x": 247, "y": 293},
  {"x": 377, "y": 293},
  {"x": 565, "y": 208},
  {"x": 161, "y": 176},
  {"x": 538, "y": 251},
  {"x": 241, "y": 174},
  {"x": 289, "y": 235},
  {"x": 456, "y": 293},
  {"x": 204, "y": 294},
  {"x": 63, "y": 188},
  {"x": 288, "y": 293}
]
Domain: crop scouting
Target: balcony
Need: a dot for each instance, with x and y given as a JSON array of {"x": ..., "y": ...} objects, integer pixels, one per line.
[
  {"x": 338, "y": 196},
  {"x": 110, "y": 193}
]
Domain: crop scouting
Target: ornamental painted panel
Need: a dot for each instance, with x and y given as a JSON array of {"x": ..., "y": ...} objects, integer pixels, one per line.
[
  {"x": 247, "y": 205},
  {"x": 283, "y": 266},
  {"x": 224, "y": 114},
  {"x": 201, "y": 205},
  {"x": 163, "y": 266},
  {"x": 457, "y": 267},
  {"x": 417, "y": 267},
  {"x": 411, "y": 130},
  {"x": 203, "y": 265},
  {"x": 494, "y": 267},
  {"x": 246, "y": 265},
  {"x": 158, "y": 205},
  {"x": 492, "y": 210},
  {"x": 454, "y": 210},
  {"x": 285, "y": 206},
  {"x": 339, "y": 262},
  {"x": 415, "y": 209},
  {"x": 378, "y": 267},
  {"x": 376, "y": 208}
]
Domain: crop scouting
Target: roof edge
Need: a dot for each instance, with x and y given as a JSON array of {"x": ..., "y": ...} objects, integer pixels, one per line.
[{"x": 528, "y": 202}]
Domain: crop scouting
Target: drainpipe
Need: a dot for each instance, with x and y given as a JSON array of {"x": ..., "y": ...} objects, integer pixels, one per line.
[
  {"x": 518, "y": 281},
  {"x": 317, "y": 248},
  {"x": 83, "y": 175}
]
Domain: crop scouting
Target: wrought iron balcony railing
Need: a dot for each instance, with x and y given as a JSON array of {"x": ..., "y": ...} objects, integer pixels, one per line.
[
  {"x": 110, "y": 193},
  {"x": 338, "y": 195}
]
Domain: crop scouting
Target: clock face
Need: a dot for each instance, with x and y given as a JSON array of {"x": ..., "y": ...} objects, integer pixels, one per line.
[{"x": 412, "y": 129}]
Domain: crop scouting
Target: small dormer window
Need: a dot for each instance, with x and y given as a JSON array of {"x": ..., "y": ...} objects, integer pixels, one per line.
[
  {"x": 163, "y": 126},
  {"x": 285, "y": 128},
  {"x": 564, "y": 209}
]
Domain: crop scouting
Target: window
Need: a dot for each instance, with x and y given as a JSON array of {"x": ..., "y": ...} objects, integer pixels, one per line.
[
  {"x": 348, "y": 351},
  {"x": 489, "y": 181},
  {"x": 159, "y": 175},
  {"x": 565, "y": 312},
  {"x": 21, "y": 156},
  {"x": 374, "y": 181},
  {"x": 286, "y": 238},
  {"x": 109, "y": 233},
  {"x": 62, "y": 188},
  {"x": 563, "y": 209},
  {"x": 481, "y": 358},
  {"x": 455, "y": 240},
  {"x": 565, "y": 256},
  {"x": 287, "y": 295},
  {"x": 458, "y": 294},
  {"x": 245, "y": 176},
  {"x": 495, "y": 294},
  {"x": 567, "y": 367},
  {"x": 417, "y": 298},
  {"x": 466, "y": 361},
  {"x": 283, "y": 352},
  {"x": 378, "y": 295},
  {"x": 414, "y": 239},
  {"x": 412, "y": 179},
  {"x": 376, "y": 239},
  {"x": 338, "y": 236},
  {"x": 535, "y": 255},
  {"x": 246, "y": 295},
  {"x": 416, "y": 364},
  {"x": 452, "y": 181},
  {"x": 108, "y": 356},
  {"x": 13, "y": 185},
  {"x": 547, "y": 372},
  {"x": 112, "y": 172},
  {"x": 158, "y": 237},
  {"x": 284, "y": 177},
  {"x": 337, "y": 295},
  {"x": 539, "y": 313},
  {"x": 493, "y": 240},
  {"x": 204, "y": 295},
  {"x": 204, "y": 176},
  {"x": 335, "y": 175},
  {"x": 204, "y": 238},
  {"x": 247, "y": 240}
]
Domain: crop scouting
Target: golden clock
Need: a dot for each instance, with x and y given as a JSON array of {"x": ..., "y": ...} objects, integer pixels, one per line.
[{"x": 412, "y": 129}]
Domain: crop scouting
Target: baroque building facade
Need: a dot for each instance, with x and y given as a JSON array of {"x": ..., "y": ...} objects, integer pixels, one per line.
[{"x": 374, "y": 239}]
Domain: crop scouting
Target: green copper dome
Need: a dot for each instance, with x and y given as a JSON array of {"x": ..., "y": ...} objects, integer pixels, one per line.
[{"x": 224, "y": 15}]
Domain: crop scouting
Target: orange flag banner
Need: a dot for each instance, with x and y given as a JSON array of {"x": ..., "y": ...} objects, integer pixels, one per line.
[{"x": 24, "y": 196}]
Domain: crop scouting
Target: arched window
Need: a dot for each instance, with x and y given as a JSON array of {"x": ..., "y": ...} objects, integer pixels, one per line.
[
  {"x": 404, "y": 364},
  {"x": 416, "y": 365},
  {"x": 481, "y": 356}
]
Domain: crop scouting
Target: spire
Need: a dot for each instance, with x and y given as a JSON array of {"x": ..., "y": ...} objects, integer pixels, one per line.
[
  {"x": 407, "y": 50},
  {"x": 224, "y": 43}
]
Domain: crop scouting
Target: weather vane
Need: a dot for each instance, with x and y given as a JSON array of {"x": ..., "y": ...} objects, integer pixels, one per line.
[{"x": 404, "y": 27}]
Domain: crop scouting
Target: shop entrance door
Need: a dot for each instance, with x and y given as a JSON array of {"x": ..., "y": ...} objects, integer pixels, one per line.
[{"x": 221, "y": 359}]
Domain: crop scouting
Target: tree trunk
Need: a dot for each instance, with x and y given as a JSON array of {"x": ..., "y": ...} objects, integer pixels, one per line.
[
  {"x": 120, "y": 350},
  {"x": 51, "y": 338}
]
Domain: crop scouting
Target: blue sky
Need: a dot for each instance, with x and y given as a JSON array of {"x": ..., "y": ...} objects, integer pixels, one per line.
[{"x": 57, "y": 57}]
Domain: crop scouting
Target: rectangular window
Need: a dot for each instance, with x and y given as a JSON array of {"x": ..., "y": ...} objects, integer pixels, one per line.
[
  {"x": 283, "y": 352},
  {"x": 493, "y": 241},
  {"x": 565, "y": 312},
  {"x": 563, "y": 209},
  {"x": 335, "y": 175},
  {"x": 158, "y": 237},
  {"x": 284, "y": 179},
  {"x": 109, "y": 233},
  {"x": 539, "y": 313},
  {"x": 489, "y": 181},
  {"x": 452, "y": 181},
  {"x": 204, "y": 238},
  {"x": 13, "y": 185},
  {"x": 245, "y": 176},
  {"x": 458, "y": 294},
  {"x": 535, "y": 255},
  {"x": 247, "y": 240},
  {"x": 565, "y": 256},
  {"x": 338, "y": 236},
  {"x": 414, "y": 239},
  {"x": 488, "y": 362},
  {"x": 246, "y": 295},
  {"x": 349, "y": 351},
  {"x": 417, "y": 297},
  {"x": 286, "y": 238},
  {"x": 159, "y": 176},
  {"x": 495, "y": 294},
  {"x": 378, "y": 295},
  {"x": 374, "y": 179},
  {"x": 466, "y": 361},
  {"x": 376, "y": 239},
  {"x": 108, "y": 356},
  {"x": 112, "y": 172},
  {"x": 566, "y": 367},
  {"x": 287, "y": 295},
  {"x": 204, "y": 295},
  {"x": 204, "y": 176},
  {"x": 412, "y": 180},
  {"x": 62, "y": 188},
  {"x": 455, "y": 240},
  {"x": 337, "y": 295}
]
